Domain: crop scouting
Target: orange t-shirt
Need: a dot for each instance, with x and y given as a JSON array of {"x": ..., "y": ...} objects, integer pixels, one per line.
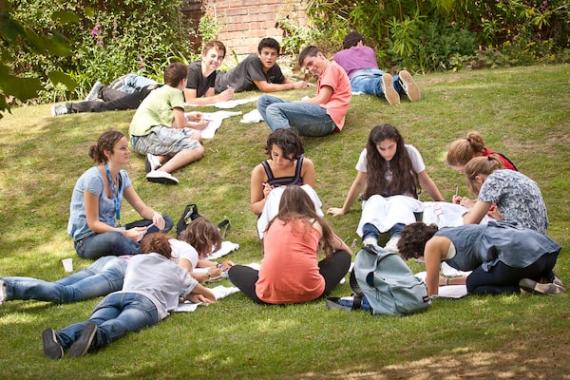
[
  {"x": 337, "y": 107},
  {"x": 289, "y": 270}
]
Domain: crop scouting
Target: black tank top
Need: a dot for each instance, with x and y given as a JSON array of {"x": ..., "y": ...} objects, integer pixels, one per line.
[{"x": 283, "y": 181}]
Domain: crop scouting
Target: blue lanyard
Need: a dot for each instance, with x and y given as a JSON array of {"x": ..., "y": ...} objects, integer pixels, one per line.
[{"x": 116, "y": 195}]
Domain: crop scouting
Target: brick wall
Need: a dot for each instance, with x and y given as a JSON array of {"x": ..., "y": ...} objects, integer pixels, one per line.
[{"x": 244, "y": 22}]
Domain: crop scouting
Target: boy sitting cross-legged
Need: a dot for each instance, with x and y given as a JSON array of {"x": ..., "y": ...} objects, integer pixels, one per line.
[{"x": 160, "y": 128}]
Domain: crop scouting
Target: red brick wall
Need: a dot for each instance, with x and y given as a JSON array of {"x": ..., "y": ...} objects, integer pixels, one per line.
[{"x": 244, "y": 22}]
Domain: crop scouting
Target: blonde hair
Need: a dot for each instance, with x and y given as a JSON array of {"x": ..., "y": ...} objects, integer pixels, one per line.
[
  {"x": 462, "y": 150},
  {"x": 480, "y": 166}
]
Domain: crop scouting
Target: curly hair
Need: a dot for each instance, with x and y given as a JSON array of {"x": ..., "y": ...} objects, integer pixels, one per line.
[
  {"x": 156, "y": 243},
  {"x": 404, "y": 179},
  {"x": 288, "y": 140},
  {"x": 203, "y": 235},
  {"x": 413, "y": 239},
  {"x": 105, "y": 142}
]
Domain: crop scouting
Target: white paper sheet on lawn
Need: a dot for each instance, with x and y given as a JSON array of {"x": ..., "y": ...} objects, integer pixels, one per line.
[
  {"x": 227, "y": 247},
  {"x": 214, "y": 122},
  {"x": 448, "y": 291},
  {"x": 219, "y": 292},
  {"x": 252, "y": 117},
  {"x": 234, "y": 103}
]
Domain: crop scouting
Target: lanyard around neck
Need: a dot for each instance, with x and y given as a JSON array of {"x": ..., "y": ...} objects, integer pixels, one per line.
[{"x": 116, "y": 195}]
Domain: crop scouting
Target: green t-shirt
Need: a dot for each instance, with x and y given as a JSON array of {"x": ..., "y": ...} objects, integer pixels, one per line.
[{"x": 156, "y": 109}]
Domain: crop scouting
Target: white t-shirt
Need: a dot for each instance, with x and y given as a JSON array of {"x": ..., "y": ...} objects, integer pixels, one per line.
[
  {"x": 183, "y": 250},
  {"x": 418, "y": 164}
]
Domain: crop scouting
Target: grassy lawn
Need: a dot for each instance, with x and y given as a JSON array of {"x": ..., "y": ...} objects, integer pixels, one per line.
[{"x": 523, "y": 112}]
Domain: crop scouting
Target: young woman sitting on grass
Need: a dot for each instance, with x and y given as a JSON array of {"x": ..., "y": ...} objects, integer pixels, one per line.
[
  {"x": 106, "y": 275},
  {"x": 285, "y": 165},
  {"x": 290, "y": 272},
  {"x": 504, "y": 258},
  {"x": 95, "y": 209},
  {"x": 387, "y": 168},
  {"x": 152, "y": 288},
  {"x": 462, "y": 150},
  {"x": 516, "y": 197}
]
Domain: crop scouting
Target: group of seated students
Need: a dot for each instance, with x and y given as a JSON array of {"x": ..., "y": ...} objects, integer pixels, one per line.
[{"x": 500, "y": 237}]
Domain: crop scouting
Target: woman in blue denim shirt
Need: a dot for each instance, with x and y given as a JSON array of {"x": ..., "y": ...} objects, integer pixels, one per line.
[{"x": 95, "y": 209}]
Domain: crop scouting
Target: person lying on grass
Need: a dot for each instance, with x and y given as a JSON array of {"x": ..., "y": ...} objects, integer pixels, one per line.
[
  {"x": 286, "y": 165},
  {"x": 387, "y": 167},
  {"x": 95, "y": 208},
  {"x": 504, "y": 258},
  {"x": 503, "y": 194},
  {"x": 160, "y": 128},
  {"x": 106, "y": 275},
  {"x": 290, "y": 271},
  {"x": 152, "y": 288}
]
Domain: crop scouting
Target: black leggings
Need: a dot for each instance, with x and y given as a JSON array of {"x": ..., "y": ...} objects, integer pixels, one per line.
[
  {"x": 113, "y": 101},
  {"x": 332, "y": 268},
  {"x": 503, "y": 279}
]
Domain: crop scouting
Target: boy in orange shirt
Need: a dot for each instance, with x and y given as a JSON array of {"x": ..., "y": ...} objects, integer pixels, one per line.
[{"x": 317, "y": 116}]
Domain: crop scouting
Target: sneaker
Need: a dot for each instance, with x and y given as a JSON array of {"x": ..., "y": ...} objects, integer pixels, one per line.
[
  {"x": 390, "y": 92},
  {"x": 94, "y": 92},
  {"x": 2, "y": 292},
  {"x": 160, "y": 176},
  {"x": 85, "y": 341},
  {"x": 531, "y": 286},
  {"x": 339, "y": 303},
  {"x": 410, "y": 86},
  {"x": 60, "y": 109},
  {"x": 52, "y": 348},
  {"x": 557, "y": 281},
  {"x": 151, "y": 163}
]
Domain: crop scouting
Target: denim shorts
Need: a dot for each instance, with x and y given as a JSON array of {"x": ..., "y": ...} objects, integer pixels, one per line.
[{"x": 165, "y": 141}]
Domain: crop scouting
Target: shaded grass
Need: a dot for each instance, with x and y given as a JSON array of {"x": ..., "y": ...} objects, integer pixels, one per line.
[{"x": 523, "y": 112}]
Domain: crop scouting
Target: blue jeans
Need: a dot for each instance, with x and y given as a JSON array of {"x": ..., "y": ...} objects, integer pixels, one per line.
[
  {"x": 131, "y": 83},
  {"x": 115, "y": 316},
  {"x": 369, "y": 229},
  {"x": 369, "y": 80},
  {"x": 308, "y": 119},
  {"x": 115, "y": 243},
  {"x": 102, "y": 277}
]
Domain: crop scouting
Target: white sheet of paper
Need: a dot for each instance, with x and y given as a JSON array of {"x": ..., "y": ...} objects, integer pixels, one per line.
[
  {"x": 219, "y": 292},
  {"x": 226, "y": 248},
  {"x": 448, "y": 291},
  {"x": 214, "y": 122},
  {"x": 251, "y": 117}
]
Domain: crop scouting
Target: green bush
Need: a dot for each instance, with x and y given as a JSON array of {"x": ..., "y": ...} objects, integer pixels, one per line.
[{"x": 107, "y": 39}]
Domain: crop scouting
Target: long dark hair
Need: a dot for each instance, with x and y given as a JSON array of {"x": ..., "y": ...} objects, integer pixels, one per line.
[
  {"x": 404, "y": 179},
  {"x": 296, "y": 204}
]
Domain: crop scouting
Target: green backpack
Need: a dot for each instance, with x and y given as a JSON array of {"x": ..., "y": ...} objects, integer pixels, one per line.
[{"x": 387, "y": 282}]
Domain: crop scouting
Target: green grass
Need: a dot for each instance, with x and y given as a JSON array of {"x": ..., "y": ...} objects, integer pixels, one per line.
[{"x": 523, "y": 112}]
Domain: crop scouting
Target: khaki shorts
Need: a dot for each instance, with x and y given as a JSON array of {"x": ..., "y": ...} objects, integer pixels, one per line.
[{"x": 165, "y": 141}]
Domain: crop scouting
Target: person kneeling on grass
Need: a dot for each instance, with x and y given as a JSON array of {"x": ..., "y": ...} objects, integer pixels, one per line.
[
  {"x": 152, "y": 288},
  {"x": 290, "y": 272},
  {"x": 504, "y": 258},
  {"x": 160, "y": 128}
]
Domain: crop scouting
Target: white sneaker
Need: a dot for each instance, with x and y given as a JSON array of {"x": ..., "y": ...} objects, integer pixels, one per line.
[
  {"x": 160, "y": 176},
  {"x": 410, "y": 86},
  {"x": 392, "y": 244},
  {"x": 151, "y": 163},
  {"x": 94, "y": 92},
  {"x": 370, "y": 240},
  {"x": 60, "y": 109},
  {"x": 390, "y": 93},
  {"x": 2, "y": 292}
]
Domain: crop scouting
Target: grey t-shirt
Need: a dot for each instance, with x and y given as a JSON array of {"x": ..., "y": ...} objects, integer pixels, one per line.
[
  {"x": 92, "y": 181},
  {"x": 242, "y": 76},
  {"x": 159, "y": 279},
  {"x": 517, "y": 197},
  {"x": 197, "y": 81}
]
